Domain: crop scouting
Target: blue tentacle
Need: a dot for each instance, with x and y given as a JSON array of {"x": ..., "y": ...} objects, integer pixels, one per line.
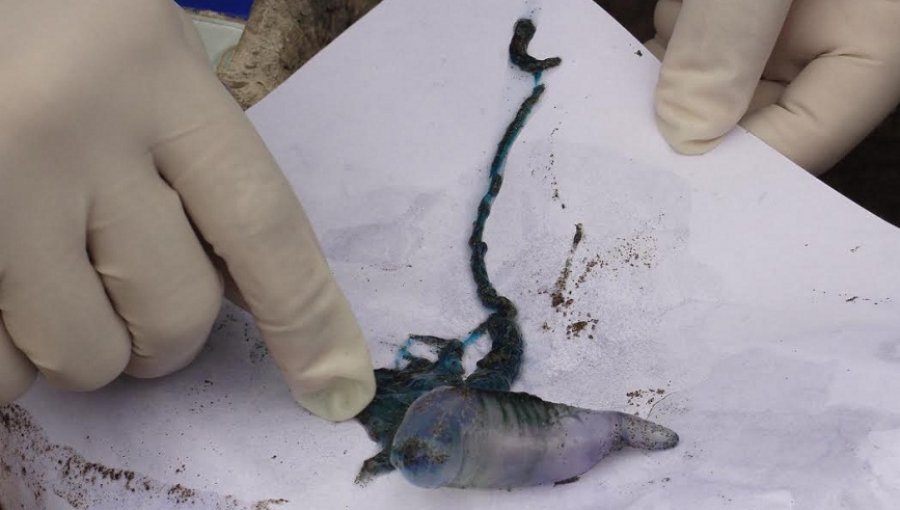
[{"x": 398, "y": 388}]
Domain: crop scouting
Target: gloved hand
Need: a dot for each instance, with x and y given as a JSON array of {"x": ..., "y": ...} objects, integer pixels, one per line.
[
  {"x": 811, "y": 78},
  {"x": 118, "y": 148}
]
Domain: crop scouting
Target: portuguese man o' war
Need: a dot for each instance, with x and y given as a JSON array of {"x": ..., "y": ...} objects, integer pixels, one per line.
[{"x": 441, "y": 429}]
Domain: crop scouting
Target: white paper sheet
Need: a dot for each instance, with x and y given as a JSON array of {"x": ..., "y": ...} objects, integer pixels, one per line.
[{"x": 731, "y": 297}]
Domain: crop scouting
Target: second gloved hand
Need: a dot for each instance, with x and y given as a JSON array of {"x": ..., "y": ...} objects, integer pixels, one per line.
[{"x": 811, "y": 78}]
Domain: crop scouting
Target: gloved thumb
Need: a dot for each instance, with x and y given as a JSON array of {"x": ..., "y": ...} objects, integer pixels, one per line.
[{"x": 713, "y": 62}]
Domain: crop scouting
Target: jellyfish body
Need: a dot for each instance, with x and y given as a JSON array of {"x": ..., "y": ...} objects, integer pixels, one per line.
[{"x": 464, "y": 437}]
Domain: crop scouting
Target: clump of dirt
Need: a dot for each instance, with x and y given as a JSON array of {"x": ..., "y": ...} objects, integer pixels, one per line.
[
  {"x": 579, "y": 235},
  {"x": 575, "y": 329},
  {"x": 641, "y": 399},
  {"x": 560, "y": 296}
]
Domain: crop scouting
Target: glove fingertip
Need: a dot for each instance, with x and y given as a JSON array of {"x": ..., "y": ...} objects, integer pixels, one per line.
[
  {"x": 15, "y": 385},
  {"x": 17, "y": 373},
  {"x": 656, "y": 47},
  {"x": 343, "y": 399},
  {"x": 687, "y": 134}
]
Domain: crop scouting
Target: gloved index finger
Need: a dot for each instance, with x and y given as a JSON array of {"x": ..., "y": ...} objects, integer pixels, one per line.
[
  {"x": 243, "y": 206},
  {"x": 16, "y": 371},
  {"x": 711, "y": 68}
]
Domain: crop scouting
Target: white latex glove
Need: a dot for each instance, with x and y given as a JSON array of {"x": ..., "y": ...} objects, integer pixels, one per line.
[
  {"x": 118, "y": 148},
  {"x": 811, "y": 78}
]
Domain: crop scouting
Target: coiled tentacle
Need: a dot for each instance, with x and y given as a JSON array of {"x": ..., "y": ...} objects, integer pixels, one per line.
[
  {"x": 518, "y": 49},
  {"x": 397, "y": 389}
]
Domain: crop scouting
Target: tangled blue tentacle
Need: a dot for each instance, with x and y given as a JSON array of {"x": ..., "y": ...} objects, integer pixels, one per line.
[{"x": 397, "y": 388}]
